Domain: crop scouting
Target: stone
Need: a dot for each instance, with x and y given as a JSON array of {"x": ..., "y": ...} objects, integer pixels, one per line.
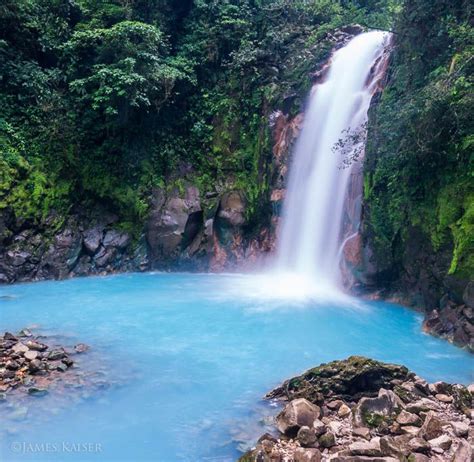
[
  {"x": 296, "y": 414},
  {"x": 418, "y": 457},
  {"x": 37, "y": 346},
  {"x": 444, "y": 442},
  {"x": 327, "y": 440},
  {"x": 81, "y": 348},
  {"x": 365, "y": 448},
  {"x": 307, "y": 455},
  {"x": 344, "y": 411},
  {"x": 30, "y": 355},
  {"x": 9, "y": 336},
  {"x": 410, "y": 430},
  {"x": 419, "y": 445},
  {"x": 319, "y": 427},
  {"x": 441, "y": 387},
  {"x": 422, "y": 405},
  {"x": 444, "y": 398},
  {"x": 114, "y": 238},
  {"x": 335, "y": 404},
  {"x": 346, "y": 378},
  {"x": 55, "y": 355},
  {"x": 306, "y": 436},
  {"x": 363, "y": 459},
  {"x": 35, "y": 366},
  {"x": 460, "y": 429},
  {"x": 432, "y": 426},
  {"x": 20, "y": 348},
  {"x": 92, "y": 239},
  {"x": 407, "y": 418},
  {"x": 12, "y": 365},
  {"x": 363, "y": 432},
  {"x": 25, "y": 333},
  {"x": 463, "y": 452},
  {"x": 372, "y": 411},
  {"x": 36, "y": 391}
]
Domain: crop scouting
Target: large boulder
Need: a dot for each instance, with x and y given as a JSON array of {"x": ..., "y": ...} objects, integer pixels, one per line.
[
  {"x": 173, "y": 223},
  {"x": 230, "y": 216},
  {"x": 296, "y": 414},
  {"x": 351, "y": 378},
  {"x": 373, "y": 412}
]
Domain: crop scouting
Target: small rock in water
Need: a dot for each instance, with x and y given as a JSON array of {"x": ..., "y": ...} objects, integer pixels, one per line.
[
  {"x": 25, "y": 333},
  {"x": 55, "y": 355},
  {"x": 81, "y": 348},
  {"x": 36, "y": 391}
]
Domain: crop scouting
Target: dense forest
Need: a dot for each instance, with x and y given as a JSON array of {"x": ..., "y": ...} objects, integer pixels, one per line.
[{"x": 105, "y": 101}]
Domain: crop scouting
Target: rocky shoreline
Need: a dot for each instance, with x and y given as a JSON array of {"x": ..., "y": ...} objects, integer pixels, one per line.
[
  {"x": 41, "y": 374},
  {"x": 361, "y": 410}
]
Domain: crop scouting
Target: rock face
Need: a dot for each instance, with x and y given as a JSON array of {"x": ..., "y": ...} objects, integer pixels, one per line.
[
  {"x": 403, "y": 422},
  {"x": 84, "y": 244}
]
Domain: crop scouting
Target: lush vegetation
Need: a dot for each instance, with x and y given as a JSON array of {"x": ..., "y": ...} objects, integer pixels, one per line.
[
  {"x": 101, "y": 101},
  {"x": 420, "y": 156},
  {"x": 104, "y": 100}
]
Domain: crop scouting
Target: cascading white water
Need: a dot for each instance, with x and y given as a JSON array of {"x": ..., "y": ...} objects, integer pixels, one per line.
[{"x": 313, "y": 209}]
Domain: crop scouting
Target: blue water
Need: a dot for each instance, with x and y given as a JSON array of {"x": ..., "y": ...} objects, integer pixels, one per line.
[{"x": 190, "y": 357}]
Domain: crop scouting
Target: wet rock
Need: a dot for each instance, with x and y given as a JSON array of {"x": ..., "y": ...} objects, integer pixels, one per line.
[
  {"x": 9, "y": 336},
  {"x": 35, "y": 391},
  {"x": 25, "y": 333},
  {"x": 35, "y": 365},
  {"x": 296, "y": 414},
  {"x": 55, "y": 355},
  {"x": 36, "y": 346},
  {"x": 81, "y": 348}
]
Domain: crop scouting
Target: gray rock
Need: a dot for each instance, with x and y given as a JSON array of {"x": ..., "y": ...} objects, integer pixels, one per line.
[
  {"x": 327, "y": 440},
  {"x": 460, "y": 429},
  {"x": 20, "y": 348},
  {"x": 419, "y": 445},
  {"x": 371, "y": 410},
  {"x": 114, "y": 238},
  {"x": 444, "y": 398},
  {"x": 365, "y": 448},
  {"x": 408, "y": 418},
  {"x": 444, "y": 442},
  {"x": 296, "y": 414},
  {"x": 432, "y": 426},
  {"x": 36, "y": 391},
  {"x": 307, "y": 455},
  {"x": 463, "y": 452},
  {"x": 306, "y": 436},
  {"x": 92, "y": 239},
  {"x": 319, "y": 427},
  {"x": 363, "y": 432},
  {"x": 30, "y": 355},
  {"x": 81, "y": 348}
]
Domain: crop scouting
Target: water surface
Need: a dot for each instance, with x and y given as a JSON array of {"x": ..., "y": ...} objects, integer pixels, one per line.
[{"x": 192, "y": 355}]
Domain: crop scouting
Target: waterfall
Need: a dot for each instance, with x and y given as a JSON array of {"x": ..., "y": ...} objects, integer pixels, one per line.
[{"x": 315, "y": 209}]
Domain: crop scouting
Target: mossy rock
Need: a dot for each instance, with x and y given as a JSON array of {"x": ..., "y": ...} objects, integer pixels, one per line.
[{"x": 350, "y": 378}]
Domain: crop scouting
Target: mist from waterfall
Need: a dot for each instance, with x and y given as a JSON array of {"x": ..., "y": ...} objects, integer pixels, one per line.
[{"x": 313, "y": 212}]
